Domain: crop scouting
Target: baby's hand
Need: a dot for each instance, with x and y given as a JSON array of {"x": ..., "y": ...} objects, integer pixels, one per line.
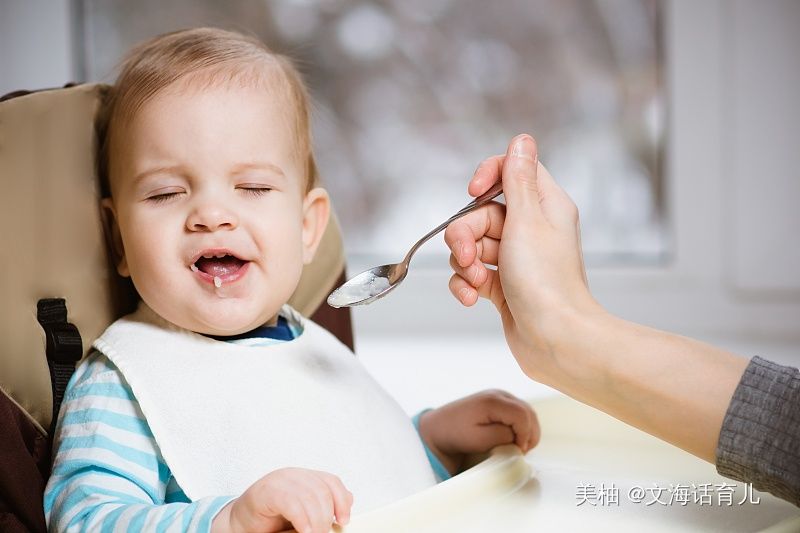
[
  {"x": 476, "y": 424},
  {"x": 308, "y": 500}
]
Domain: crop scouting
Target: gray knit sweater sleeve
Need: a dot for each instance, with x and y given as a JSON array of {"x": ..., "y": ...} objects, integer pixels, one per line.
[{"x": 760, "y": 438}]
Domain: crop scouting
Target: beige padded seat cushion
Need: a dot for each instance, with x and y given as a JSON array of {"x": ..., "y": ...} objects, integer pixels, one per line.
[{"x": 52, "y": 239}]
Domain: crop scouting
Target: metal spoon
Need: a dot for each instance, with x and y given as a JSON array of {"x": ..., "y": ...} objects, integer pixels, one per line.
[{"x": 379, "y": 281}]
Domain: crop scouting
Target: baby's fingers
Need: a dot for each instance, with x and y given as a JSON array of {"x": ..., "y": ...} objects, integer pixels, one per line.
[
  {"x": 342, "y": 498},
  {"x": 524, "y": 424},
  {"x": 296, "y": 512},
  {"x": 527, "y": 431},
  {"x": 310, "y": 508},
  {"x": 518, "y": 415},
  {"x": 319, "y": 511},
  {"x": 535, "y": 432},
  {"x": 492, "y": 435}
]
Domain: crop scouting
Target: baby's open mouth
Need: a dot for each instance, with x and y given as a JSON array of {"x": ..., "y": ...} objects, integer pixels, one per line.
[{"x": 219, "y": 266}]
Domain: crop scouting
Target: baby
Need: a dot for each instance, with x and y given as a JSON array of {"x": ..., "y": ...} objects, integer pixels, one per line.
[{"x": 215, "y": 406}]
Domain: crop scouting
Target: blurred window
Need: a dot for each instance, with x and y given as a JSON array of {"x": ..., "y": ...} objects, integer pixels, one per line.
[{"x": 411, "y": 94}]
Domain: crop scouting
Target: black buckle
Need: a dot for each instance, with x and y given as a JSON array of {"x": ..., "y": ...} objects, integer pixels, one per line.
[
  {"x": 63, "y": 343},
  {"x": 63, "y": 338}
]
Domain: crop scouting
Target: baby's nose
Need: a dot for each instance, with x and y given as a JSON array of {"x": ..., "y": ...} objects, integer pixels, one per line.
[{"x": 211, "y": 217}]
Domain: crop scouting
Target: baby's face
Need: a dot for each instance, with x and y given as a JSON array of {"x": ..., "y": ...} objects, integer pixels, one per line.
[{"x": 206, "y": 184}]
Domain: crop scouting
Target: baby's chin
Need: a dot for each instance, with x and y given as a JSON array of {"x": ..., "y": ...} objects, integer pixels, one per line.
[
  {"x": 231, "y": 323},
  {"x": 223, "y": 318}
]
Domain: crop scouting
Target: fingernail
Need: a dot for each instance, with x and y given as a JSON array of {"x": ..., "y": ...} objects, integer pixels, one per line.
[
  {"x": 463, "y": 293},
  {"x": 523, "y": 148},
  {"x": 460, "y": 246}
]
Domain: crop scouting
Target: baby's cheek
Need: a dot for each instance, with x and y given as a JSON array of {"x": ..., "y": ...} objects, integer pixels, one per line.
[{"x": 150, "y": 267}]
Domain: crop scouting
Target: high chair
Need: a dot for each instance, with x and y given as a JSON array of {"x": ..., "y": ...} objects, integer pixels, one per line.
[{"x": 59, "y": 292}]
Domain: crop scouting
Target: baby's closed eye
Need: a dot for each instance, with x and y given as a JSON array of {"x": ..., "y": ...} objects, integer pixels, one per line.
[
  {"x": 254, "y": 189},
  {"x": 164, "y": 196}
]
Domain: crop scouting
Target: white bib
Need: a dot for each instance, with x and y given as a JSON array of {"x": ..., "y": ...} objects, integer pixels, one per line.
[{"x": 224, "y": 415}]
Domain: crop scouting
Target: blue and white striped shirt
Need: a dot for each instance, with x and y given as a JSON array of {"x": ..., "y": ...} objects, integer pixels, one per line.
[{"x": 108, "y": 473}]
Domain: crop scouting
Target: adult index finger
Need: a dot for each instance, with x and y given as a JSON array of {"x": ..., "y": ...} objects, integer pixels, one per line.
[{"x": 486, "y": 175}]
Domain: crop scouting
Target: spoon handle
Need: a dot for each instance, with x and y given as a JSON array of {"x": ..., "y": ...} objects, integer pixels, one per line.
[{"x": 493, "y": 192}]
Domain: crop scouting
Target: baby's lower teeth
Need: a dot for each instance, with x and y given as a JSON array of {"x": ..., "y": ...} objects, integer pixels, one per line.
[
  {"x": 194, "y": 268},
  {"x": 217, "y": 282}
]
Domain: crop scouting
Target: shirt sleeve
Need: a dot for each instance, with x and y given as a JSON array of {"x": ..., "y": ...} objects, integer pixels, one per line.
[
  {"x": 760, "y": 438},
  {"x": 108, "y": 473},
  {"x": 439, "y": 470}
]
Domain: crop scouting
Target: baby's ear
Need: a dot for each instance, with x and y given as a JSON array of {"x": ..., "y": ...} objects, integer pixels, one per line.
[
  {"x": 316, "y": 210},
  {"x": 113, "y": 236}
]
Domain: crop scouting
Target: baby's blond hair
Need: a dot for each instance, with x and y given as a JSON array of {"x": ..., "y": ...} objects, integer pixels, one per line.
[{"x": 210, "y": 56}]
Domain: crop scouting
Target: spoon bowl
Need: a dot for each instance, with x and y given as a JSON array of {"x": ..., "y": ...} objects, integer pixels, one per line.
[
  {"x": 379, "y": 281},
  {"x": 368, "y": 286}
]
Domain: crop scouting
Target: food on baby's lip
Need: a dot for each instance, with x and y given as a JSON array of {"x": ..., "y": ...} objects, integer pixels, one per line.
[
  {"x": 217, "y": 282},
  {"x": 350, "y": 293}
]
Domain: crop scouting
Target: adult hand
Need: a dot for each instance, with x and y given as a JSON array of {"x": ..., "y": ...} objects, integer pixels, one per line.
[
  {"x": 558, "y": 333},
  {"x": 540, "y": 284}
]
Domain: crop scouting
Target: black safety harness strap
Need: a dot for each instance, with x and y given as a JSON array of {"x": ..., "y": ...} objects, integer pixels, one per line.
[{"x": 64, "y": 347}]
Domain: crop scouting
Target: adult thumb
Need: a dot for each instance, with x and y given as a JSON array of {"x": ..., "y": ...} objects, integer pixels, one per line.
[{"x": 520, "y": 182}]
